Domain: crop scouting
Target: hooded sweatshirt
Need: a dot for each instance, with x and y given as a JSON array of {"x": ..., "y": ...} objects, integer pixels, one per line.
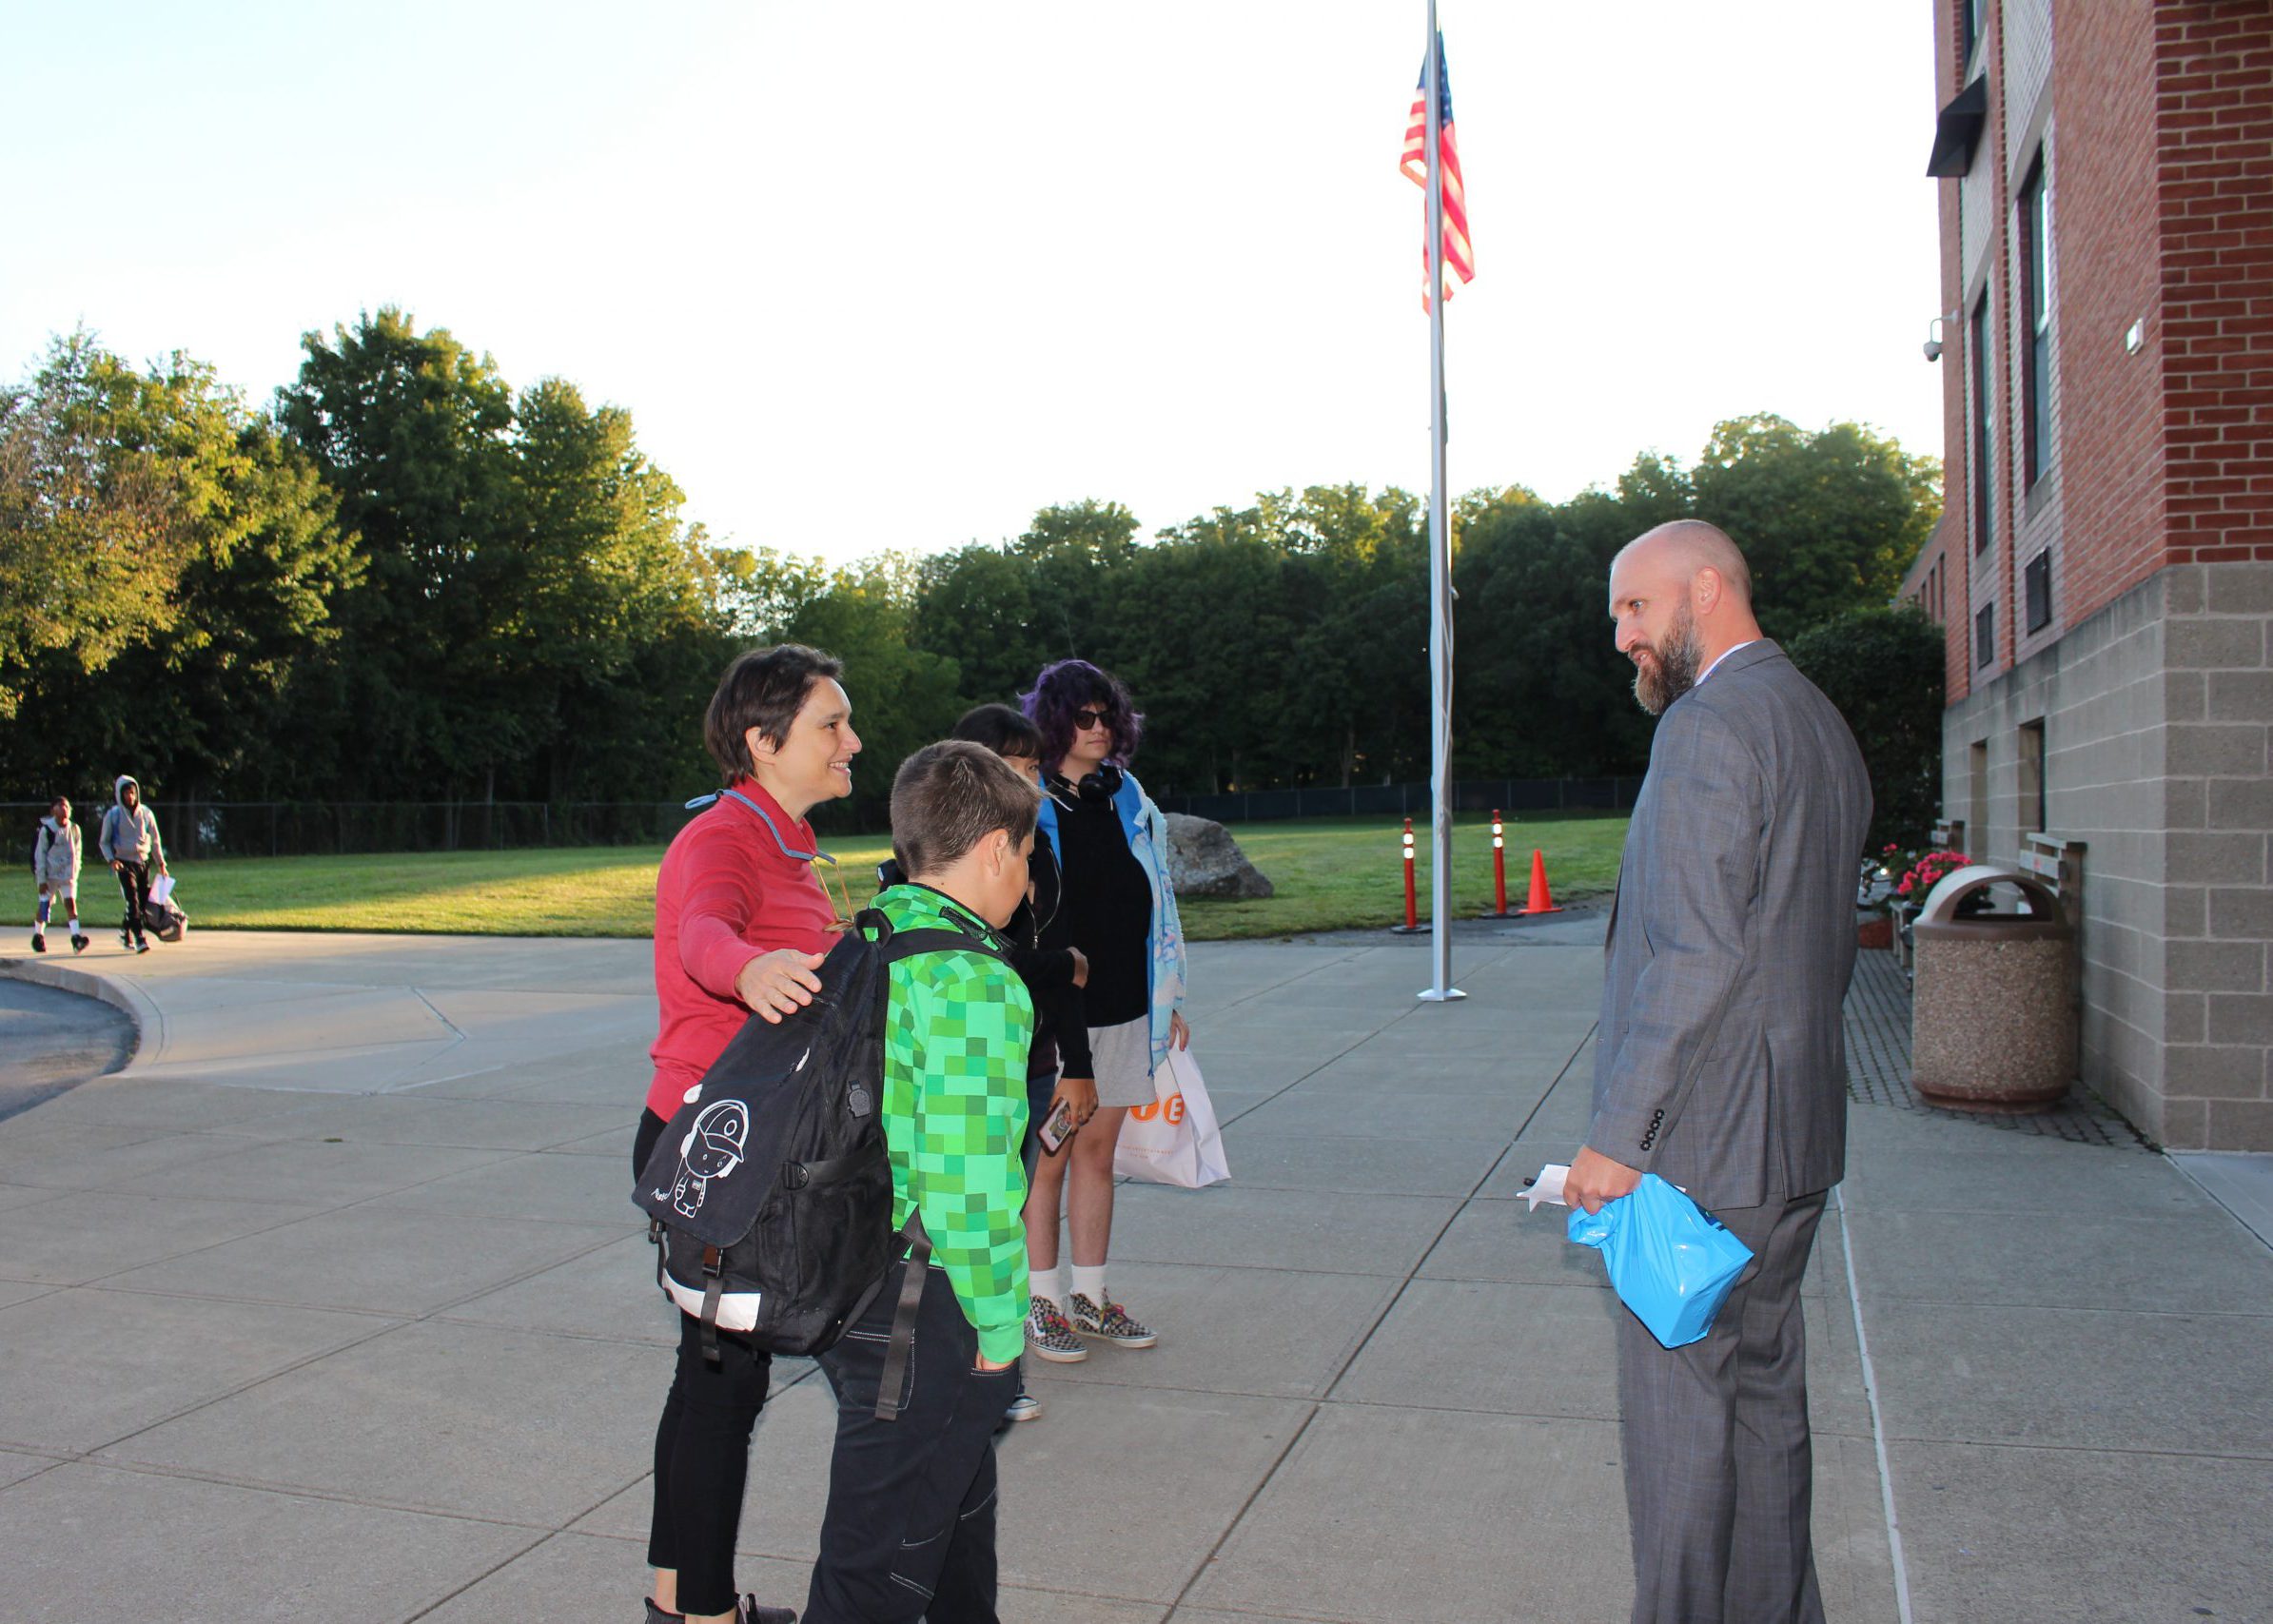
[
  {"x": 129, "y": 836},
  {"x": 55, "y": 856}
]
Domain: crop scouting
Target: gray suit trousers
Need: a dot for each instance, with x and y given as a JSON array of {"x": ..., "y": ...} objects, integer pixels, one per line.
[{"x": 1718, "y": 1471}]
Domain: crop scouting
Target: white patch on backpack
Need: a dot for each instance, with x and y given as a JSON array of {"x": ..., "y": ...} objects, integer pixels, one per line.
[{"x": 712, "y": 1149}]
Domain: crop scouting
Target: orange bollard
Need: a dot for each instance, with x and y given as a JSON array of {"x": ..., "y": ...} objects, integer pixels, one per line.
[
  {"x": 1541, "y": 902},
  {"x": 1412, "y": 924},
  {"x": 1499, "y": 867}
]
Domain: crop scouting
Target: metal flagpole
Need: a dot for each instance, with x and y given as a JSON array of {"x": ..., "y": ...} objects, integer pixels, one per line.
[{"x": 1439, "y": 550}]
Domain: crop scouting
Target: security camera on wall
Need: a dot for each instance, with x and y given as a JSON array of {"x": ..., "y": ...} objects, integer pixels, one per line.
[{"x": 1933, "y": 337}]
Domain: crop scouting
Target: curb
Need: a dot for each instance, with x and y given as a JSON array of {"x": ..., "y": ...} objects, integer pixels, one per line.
[{"x": 130, "y": 1000}]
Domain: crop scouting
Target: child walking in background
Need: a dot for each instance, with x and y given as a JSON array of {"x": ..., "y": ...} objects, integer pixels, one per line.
[
  {"x": 55, "y": 866},
  {"x": 130, "y": 845}
]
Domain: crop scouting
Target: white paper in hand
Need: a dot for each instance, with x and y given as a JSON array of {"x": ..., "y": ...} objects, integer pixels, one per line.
[
  {"x": 161, "y": 889},
  {"x": 1548, "y": 1186}
]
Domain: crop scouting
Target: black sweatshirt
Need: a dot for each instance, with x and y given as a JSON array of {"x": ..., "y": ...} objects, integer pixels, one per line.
[
  {"x": 1106, "y": 911},
  {"x": 1061, "y": 1028}
]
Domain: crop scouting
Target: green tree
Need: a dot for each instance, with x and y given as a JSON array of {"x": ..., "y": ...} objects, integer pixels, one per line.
[
  {"x": 412, "y": 432},
  {"x": 1543, "y": 691},
  {"x": 976, "y": 607},
  {"x": 1883, "y": 668},
  {"x": 903, "y": 696},
  {"x": 198, "y": 695},
  {"x": 96, "y": 516},
  {"x": 1828, "y": 522}
]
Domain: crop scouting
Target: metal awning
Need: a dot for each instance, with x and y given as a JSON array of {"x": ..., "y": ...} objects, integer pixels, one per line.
[{"x": 1957, "y": 128}]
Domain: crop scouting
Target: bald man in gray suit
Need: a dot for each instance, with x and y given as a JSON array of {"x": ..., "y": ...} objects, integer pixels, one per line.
[{"x": 1720, "y": 1065}]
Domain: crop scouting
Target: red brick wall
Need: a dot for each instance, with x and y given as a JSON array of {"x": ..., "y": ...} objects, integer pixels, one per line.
[
  {"x": 1949, "y": 536},
  {"x": 2214, "y": 101},
  {"x": 2104, "y": 229}
]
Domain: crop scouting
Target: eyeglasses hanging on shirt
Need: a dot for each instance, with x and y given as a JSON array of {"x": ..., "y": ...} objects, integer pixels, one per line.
[{"x": 827, "y": 872}]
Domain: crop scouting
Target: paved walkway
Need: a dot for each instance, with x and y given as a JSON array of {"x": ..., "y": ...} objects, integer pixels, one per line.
[{"x": 332, "y": 1305}]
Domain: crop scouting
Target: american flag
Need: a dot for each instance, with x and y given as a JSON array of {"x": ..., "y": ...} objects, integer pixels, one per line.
[{"x": 1459, "y": 260}]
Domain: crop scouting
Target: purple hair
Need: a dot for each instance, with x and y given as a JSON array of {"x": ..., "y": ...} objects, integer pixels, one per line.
[{"x": 1068, "y": 685}]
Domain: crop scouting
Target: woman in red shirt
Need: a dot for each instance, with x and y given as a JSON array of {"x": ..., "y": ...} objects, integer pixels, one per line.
[{"x": 743, "y": 923}]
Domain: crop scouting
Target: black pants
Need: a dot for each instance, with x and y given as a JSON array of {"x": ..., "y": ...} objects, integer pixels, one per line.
[
  {"x": 909, "y": 1529},
  {"x": 134, "y": 885},
  {"x": 702, "y": 1449}
]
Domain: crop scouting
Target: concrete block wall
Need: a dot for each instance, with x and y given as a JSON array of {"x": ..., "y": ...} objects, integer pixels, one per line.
[
  {"x": 2100, "y": 695},
  {"x": 2219, "y": 887},
  {"x": 2157, "y": 717}
]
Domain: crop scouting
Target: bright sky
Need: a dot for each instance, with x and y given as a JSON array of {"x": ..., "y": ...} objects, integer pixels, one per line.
[{"x": 897, "y": 274}]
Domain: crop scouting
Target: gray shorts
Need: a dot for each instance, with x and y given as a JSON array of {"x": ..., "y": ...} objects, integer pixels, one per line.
[{"x": 1123, "y": 1058}]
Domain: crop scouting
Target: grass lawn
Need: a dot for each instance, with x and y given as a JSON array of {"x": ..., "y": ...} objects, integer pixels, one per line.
[{"x": 1331, "y": 873}]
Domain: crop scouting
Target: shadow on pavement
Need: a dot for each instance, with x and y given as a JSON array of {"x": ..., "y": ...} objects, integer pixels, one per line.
[{"x": 54, "y": 1041}]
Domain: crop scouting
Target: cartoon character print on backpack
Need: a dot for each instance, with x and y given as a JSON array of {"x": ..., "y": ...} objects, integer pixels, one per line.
[
  {"x": 712, "y": 1149},
  {"x": 793, "y": 1248}
]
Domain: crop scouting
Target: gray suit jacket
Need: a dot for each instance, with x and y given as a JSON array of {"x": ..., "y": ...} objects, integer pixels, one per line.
[{"x": 1720, "y": 1064}]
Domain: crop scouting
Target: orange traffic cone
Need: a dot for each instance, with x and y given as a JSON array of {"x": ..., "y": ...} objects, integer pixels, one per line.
[{"x": 1540, "y": 901}]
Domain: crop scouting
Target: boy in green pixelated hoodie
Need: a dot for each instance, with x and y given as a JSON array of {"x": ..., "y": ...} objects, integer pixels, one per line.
[{"x": 909, "y": 1529}]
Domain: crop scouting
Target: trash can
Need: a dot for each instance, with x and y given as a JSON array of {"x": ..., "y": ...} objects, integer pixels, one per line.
[{"x": 1994, "y": 998}]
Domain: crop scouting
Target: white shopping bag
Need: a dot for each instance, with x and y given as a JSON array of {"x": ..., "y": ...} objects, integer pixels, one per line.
[{"x": 1174, "y": 1140}]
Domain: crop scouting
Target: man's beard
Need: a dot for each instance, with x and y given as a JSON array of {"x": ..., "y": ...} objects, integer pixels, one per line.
[{"x": 1672, "y": 671}]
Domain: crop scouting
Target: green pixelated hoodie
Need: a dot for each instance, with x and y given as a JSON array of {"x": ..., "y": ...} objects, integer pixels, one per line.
[{"x": 954, "y": 1114}]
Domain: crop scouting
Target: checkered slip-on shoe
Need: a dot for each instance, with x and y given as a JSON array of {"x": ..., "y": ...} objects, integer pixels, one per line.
[
  {"x": 1049, "y": 1337},
  {"x": 1111, "y": 1323},
  {"x": 747, "y": 1609}
]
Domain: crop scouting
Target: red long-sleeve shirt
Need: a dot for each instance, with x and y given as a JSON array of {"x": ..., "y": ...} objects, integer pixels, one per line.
[{"x": 725, "y": 894}]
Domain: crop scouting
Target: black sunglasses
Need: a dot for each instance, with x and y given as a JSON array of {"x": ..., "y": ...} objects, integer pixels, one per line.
[{"x": 1092, "y": 719}]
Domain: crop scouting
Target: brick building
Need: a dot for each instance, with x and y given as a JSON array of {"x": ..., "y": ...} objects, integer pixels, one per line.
[{"x": 2105, "y": 567}]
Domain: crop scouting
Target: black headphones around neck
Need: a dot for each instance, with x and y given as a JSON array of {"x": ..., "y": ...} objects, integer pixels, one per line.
[{"x": 1097, "y": 788}]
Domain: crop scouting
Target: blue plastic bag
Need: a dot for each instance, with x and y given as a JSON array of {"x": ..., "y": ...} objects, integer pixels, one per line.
[{"x": 1670, "y": 1260}]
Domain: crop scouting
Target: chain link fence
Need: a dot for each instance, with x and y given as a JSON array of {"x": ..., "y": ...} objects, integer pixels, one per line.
[
  {"x": 1513, "y": 796},
  {"x": 194, "y": 829}
]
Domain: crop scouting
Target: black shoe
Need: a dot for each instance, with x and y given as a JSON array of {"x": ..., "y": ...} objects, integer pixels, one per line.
[
  {"x": 39, "y": 940},
  {"x": 78, "y": 943},
  {"x": 141, "y": 946},
  {"x": 748, "y": 1608}
]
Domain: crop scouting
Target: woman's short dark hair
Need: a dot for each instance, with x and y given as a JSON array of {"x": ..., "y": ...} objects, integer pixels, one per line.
[
  {"x": 1071, "y": 685},
  {"x": 763, "y": 689},
  {"x": 949, "y": 796},
  {"x": 1000, "y": 729}
]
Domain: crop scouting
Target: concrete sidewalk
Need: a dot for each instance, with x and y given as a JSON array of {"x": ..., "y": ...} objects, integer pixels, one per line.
[{"x": 332, "y": 1305}]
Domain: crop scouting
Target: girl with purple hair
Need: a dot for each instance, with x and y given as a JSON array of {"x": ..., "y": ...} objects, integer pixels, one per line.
[{"x": 1118, "y": 908}]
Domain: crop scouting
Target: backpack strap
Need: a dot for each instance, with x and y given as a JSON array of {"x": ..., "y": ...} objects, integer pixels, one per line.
[
  {"x": 897, "y": 1354},
  {"x": 939, "y": 939}
]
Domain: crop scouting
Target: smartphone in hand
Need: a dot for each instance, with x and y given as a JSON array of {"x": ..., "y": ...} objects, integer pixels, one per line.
[{"x": 1058, "y": 1127}]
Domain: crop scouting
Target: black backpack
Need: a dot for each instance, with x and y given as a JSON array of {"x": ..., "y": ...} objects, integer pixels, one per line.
[{"x": 769, "y": 1195}]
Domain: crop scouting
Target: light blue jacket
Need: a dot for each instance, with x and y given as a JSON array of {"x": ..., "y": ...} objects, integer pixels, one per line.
[{"x": 1147, "y": 832}]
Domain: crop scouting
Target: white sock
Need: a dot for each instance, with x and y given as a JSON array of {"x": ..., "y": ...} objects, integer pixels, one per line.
[
  {"x": 1049, "y": 1282},
  {"x": 1089, "y": 1282}
]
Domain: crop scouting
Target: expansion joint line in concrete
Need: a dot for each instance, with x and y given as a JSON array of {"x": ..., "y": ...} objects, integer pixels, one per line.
[
  {"x": 1878, "y": 1428},
  {"x": 1357, "y": 1347}
]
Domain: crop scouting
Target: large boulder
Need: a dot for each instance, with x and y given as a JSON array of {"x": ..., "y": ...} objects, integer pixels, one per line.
[{"x": 1203, "y": 860}]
